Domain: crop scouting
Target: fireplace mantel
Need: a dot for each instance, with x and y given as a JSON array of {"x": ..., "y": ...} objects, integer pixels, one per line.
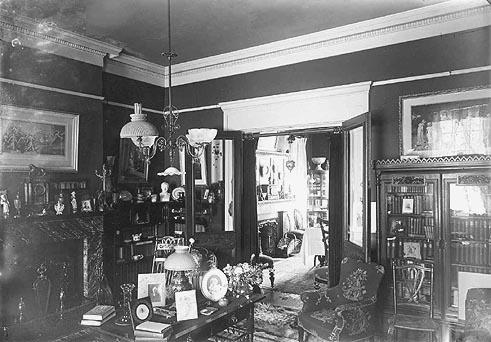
[{"x": 28, "y": 242}]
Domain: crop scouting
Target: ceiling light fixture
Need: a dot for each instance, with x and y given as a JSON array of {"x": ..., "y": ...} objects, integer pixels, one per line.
[{"x": 145, "y": 135}]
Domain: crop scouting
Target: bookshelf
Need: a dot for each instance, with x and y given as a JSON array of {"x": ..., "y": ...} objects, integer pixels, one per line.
[
  {"x": 318, "y": 196},
  {"x": 436, "y": 210}
]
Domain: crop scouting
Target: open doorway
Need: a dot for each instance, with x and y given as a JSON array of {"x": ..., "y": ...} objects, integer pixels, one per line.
[{"x": 292, "y": 182}]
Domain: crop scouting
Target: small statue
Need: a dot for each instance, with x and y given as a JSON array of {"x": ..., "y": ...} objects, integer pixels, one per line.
[
  {"x": 17, "y": 205},
  {"x": 59, "y": 205},
  {"x": 73, "y": 201},
  {"x": 164, "y": 195},
  {"x": 5, "y": 204}
]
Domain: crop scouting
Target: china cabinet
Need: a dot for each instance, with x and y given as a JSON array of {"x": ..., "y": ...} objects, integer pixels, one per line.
[
  {"x": 318, "y": 196},
  {"x": 438, "y": 210}
]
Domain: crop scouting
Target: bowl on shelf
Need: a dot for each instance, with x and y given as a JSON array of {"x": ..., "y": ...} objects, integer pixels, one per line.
[{"x": 318, "y": 161}]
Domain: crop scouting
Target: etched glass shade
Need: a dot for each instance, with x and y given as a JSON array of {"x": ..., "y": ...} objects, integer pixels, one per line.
[
  {"x": 139, "y": 129},
  {"x": 180, "y": 260},
  {"x": 197, "y": 136}
]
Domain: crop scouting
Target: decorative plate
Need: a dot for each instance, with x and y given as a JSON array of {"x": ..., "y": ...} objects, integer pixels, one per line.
[
  {"x": 177, "y": 191},
  {"x": 214, "y": 284}
]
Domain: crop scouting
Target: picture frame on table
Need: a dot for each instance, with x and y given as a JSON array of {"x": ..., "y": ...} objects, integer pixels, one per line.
[
  {"x": 153, "y": 286},
  {"x": 44, "y": 138},
  {"x": 448, "y": 123},
  {"x": 411, "y": 250},
  {"x": 199, "y": 168}
]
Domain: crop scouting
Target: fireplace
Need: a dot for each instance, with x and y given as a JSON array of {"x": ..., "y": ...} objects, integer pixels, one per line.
[{"x": 43, "y": 255}]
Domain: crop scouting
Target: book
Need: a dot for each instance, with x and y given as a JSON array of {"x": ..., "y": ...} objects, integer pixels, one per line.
[
  {"x": 153, "y": 327},
  {"x": 97, "y": 323},
  {"x": 98, "y": 312}
]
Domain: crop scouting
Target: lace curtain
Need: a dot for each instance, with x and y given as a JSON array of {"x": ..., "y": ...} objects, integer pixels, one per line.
[
  {"x": 298, "y": 175},
  {"x": 457, "y": 131}
]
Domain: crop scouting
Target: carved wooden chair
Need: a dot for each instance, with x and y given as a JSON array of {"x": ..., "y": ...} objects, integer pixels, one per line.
[
  {"x": 321, "y": 273},
  {"x": 347, "y": 311},
  {"x": 412, "y": 283}
]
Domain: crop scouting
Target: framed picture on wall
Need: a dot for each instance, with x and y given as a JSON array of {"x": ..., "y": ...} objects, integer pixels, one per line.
[
  {"x": 199, "y": 169},
  {"x": 131, "y": 164},
  {"x": 454, "y": 122},
  {"x": 46, "y": 139}
]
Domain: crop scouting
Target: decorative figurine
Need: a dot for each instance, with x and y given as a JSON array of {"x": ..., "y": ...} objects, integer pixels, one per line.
[
  {"x": 5, "y": 204},
  {"x": 164, "y": 195},
  {"x": 17, "y": 205},
  {"x": 103, "y": 175},
  {"x": 60, "y": 205},
  {"x": 73, "y": 202}
]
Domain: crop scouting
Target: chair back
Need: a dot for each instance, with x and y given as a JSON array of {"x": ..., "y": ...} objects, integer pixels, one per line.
[
  {"x": 412, "y": 286},
  {"x": 324, "y": 224},
  {"x": 164, "y": 246}
]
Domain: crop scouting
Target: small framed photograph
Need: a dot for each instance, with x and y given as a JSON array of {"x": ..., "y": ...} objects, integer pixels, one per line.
[
  {"x": 407, "y": 205},
  {"x": 186, "y": 305},
  {"x": 411, "y": 249},
  {"x": 87, "y": 206},
  {"x": 153, "y": 286}
]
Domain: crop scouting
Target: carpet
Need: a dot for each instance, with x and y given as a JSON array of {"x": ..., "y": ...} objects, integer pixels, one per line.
[{"x": 291, "y": 275}]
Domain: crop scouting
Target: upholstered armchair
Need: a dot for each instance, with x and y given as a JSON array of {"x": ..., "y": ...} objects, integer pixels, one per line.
[
  {"x": 345, "y": 312},
  {"x": 478, "y": 315}
]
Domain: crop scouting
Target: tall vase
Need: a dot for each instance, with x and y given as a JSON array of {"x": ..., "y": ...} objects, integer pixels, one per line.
[{"x": 125, "y": 318}]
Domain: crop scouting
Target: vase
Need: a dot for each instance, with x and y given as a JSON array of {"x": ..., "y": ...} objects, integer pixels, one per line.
[
  {"x": 242, "y": 289},
  {"x": 125, "y": 318}
]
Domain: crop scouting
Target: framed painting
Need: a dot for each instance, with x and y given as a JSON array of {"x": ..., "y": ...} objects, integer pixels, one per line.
[
  {"x": 199, "y": 169},
  {"x": 449, "y": 123},
  {"x": 153, "y": 286},
  {"x": 131, "y": 164},
  {"x": 44, "y": 138}
]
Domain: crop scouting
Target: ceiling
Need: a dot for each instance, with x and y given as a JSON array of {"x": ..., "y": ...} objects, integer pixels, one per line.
[{"x": 202, "y": 28}]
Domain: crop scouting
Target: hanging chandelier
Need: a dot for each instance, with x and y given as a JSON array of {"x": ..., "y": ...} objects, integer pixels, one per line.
[{"x": 146, "y": 137}]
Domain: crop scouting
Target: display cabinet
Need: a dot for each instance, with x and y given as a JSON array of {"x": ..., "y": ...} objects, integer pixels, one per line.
[
  {"x": 318, "y": 196},
  {"x": 438, "y": 210}
]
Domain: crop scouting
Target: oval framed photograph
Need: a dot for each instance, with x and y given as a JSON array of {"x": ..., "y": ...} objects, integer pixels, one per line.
[
  {"x": 177, "y": 191},
  {"x": 214, "y": 284}
]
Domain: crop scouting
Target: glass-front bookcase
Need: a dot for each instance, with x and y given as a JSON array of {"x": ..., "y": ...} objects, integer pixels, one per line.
[{"x": 438, "y": 210}]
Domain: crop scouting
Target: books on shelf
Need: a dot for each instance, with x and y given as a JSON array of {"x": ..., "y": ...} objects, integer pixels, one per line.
[
  {"x": 98, "y": 312},
  {"x": 97, "y": 323}
]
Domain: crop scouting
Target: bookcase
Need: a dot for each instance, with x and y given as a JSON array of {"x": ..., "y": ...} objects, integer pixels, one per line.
[
  {"x": 317, "y": 201},
  {"x": 437, "y": 210}
]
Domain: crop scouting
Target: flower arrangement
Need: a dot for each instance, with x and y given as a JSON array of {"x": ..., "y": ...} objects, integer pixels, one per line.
[{"x": 243, "y": 277}]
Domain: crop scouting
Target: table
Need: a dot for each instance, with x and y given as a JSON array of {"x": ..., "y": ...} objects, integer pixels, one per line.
[
  {"x": 69, "y": 329},
  {"x": 312, "y": 244}
]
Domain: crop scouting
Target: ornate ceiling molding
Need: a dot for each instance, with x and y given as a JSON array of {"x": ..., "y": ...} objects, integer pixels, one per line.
[{"x": 22, "y": 31}]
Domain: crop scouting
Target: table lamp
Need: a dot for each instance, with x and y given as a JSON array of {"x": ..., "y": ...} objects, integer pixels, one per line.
[{"x": 178, "y": 263}]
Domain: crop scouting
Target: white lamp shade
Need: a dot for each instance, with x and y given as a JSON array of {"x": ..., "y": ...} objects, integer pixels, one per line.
[
  {"x": 139, "y": 128},
  {"x": 180, "y": 260},
  {"x": 201, "y": 135}
]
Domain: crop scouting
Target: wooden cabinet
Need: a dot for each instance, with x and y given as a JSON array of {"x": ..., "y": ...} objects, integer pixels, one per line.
[
  {"x": 438, "y": 210},
  {"x": 130, "y": 235},
  {"x": 318, "y": 196}
]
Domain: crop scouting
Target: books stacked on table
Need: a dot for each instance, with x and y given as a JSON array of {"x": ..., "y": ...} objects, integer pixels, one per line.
[
  {"x": 150, "y": 331},
  {"x": 98, "y": 315}
]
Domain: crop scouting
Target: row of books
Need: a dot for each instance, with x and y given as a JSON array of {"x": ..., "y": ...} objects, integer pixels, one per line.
[
  {"x": 98, "y": 315},
  {"x": 409, "y": 248},
  {"x": 412, "y": 226},
  {"x": 471, "y": 228},
  {"x": 463, "y": 252},
  {"x": 408, "y": 188},
  {"x": 417, "y": 204}
]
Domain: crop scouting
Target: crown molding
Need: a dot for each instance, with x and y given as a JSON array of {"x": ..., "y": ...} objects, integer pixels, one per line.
[
  {"x": 51, "y": 39},
  {"x": 319, "y": 107},
  {"x": 444, "y": 18}
]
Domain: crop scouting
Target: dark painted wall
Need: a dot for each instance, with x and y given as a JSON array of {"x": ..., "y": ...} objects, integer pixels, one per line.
[
  {"x": 432, "y": 55},
  {"x": 29, "y": 65}
]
